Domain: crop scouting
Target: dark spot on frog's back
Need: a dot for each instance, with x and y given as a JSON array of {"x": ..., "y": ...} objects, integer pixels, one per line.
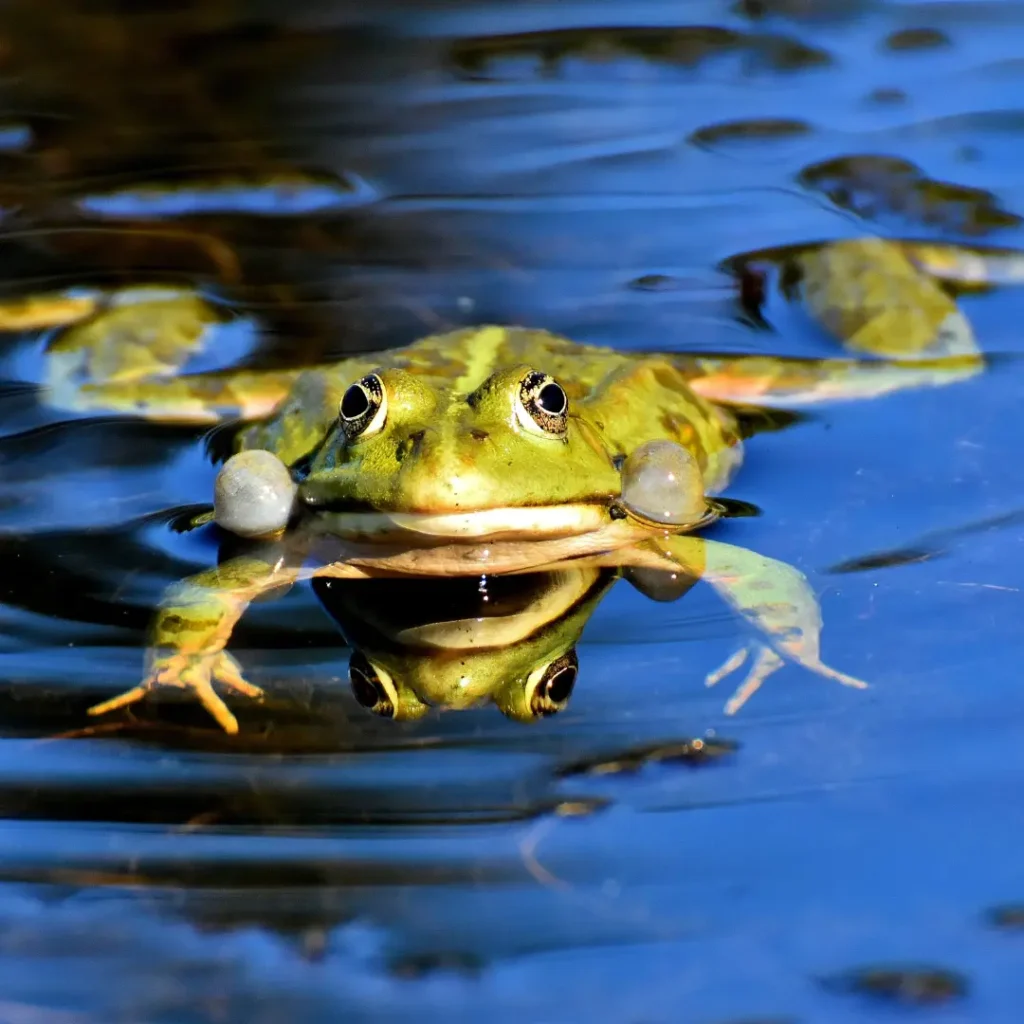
[
  {"x": 479, "y": 435},
  {"x": 671, "y": 380},
  {"x": 680, "y": 429},
  {"x": 177, "y": 625}
]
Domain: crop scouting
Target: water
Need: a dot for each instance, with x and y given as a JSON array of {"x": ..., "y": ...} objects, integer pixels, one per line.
[{"x": 437, "y": 165}]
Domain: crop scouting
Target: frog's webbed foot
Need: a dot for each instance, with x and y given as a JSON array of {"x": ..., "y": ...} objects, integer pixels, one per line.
[
  {"x": 195, "y": 673},
  {"x": 771, "y": 596},
  {"x": 192, "y": 627},
  {"x": 765, "y": 661}
]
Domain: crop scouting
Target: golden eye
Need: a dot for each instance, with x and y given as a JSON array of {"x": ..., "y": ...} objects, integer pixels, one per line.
[
  {"x": 550, "y": 686},
  {"x": 372, "y": 688},
  {"x": 364, "y": 408},
  {"x": 542, "y": 406}
]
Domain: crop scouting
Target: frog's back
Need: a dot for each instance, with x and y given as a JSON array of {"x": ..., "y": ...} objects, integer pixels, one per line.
[{"x": 460, "y": 361}]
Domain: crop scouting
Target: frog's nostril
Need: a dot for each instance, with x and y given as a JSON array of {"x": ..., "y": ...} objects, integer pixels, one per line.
[{"x": 410, "y": 445}]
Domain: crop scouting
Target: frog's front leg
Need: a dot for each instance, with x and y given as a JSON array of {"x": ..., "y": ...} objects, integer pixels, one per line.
[
  {"x": 772, "y": 596},
  {"x": 192, "y": 628}
]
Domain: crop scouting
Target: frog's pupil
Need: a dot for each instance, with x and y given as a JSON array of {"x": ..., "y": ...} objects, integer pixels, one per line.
[
  {"x": 355, "y": 402},
  {"x": 552, "y": 399},
  {"x": 366, "y": 686},
  {"x": 560, "y": 685}
]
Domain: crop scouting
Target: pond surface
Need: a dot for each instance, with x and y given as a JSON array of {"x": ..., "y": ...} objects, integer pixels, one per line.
[{"x": 344, "y": 181}]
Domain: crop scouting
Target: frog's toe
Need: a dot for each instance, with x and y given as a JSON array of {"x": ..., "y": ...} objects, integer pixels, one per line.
[
  {"x": 136, "y": 693},
  {"x": 766, "y": 661},
  {"x": 211, "y": 700},
  {"x": 194, "y": 673},
  {"x": 228, "y": 673},
  {"x": 839, "y": 677},
  {"x": 198, "y": 676},
  {"x": 735, "y": 661}
]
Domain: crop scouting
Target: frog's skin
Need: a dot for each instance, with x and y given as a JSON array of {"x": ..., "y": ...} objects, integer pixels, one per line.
[{"x": 457, "y": 478}]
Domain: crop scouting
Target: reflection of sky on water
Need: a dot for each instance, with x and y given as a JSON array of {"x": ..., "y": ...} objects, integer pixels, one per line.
[
  {"x": 14, "y": 136},
  {"x": 287, "y": 199}
]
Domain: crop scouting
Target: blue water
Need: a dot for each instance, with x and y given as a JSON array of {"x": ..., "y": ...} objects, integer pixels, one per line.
[{"x": 342, "y": 866}]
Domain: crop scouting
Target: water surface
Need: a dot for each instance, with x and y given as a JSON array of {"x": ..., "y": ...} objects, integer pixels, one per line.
[{"x": 345, "y": 181}]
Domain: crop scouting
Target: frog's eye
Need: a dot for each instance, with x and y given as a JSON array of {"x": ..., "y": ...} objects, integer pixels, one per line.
[
  {"x": 542, "y": 407},
  {"x": 364, "y": 407},
  {"x": 372, "y": 687},
  {"x": 549, "y": 686}
]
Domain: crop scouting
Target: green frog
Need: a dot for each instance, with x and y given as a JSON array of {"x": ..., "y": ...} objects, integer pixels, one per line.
[{"x": 501, "y": 449}]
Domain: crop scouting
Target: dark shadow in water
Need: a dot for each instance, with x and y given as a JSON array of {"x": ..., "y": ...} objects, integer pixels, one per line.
[
  {"x": 913, "y": 985},
  {"x": 938, "y": 544}
]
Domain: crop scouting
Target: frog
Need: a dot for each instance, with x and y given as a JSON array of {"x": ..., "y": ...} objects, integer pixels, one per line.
[{"x": 500, "y": 449}]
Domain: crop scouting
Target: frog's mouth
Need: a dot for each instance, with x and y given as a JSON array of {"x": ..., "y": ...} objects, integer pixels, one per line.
[{"x": 521, "y": 522}]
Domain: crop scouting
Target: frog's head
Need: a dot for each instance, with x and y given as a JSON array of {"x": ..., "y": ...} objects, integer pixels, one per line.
[{"x": 510, "y": 458}]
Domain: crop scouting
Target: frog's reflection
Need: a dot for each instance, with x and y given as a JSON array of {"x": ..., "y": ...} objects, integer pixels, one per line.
[{"x": 460, "y": 642}]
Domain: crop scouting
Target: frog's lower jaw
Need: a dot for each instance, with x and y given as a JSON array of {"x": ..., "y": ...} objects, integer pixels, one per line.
[{"x": 535, "y": 522}]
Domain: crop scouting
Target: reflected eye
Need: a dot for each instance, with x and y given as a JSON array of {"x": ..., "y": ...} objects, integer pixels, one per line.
[
  {"x": 550, "y": 686},
  {"x": 372, "y": 688},
  {"x": 364, "y": 407},
  {"x": 542, "y": 407}
]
